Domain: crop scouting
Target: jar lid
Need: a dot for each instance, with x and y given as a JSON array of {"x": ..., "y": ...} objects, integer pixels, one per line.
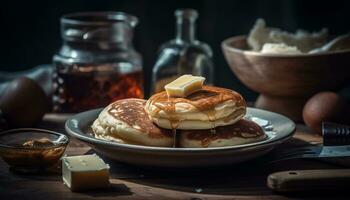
[{"x": 97, "y": 26}]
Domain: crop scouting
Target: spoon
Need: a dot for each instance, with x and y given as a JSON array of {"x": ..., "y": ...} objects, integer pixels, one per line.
[{"x": 339, "y": 43}]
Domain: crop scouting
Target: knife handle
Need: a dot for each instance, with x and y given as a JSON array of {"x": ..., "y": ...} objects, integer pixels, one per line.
[
  {"x": 305, "y": 180},
  {"x": 335, "y": 134}
]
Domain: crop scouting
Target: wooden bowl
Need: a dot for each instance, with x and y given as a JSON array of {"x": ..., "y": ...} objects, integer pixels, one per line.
[{"x": 285, "y": 82}]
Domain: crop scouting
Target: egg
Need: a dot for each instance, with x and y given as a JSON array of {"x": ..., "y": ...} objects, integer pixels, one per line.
[
  {"x": 23, "y": 103},
  {"x": 325, "y": 106}
]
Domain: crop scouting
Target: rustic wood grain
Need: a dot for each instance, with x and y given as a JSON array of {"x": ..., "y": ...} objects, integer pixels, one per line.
[{"x": 243, "y": 181}]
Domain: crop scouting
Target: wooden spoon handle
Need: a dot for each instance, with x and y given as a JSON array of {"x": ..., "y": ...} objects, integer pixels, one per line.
[{"x": 303, "y": 180}]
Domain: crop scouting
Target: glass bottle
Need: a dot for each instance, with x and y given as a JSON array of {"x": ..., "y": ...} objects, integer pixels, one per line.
[
  {"x": 97, "y": 63},
  {"x": 183, "y": 55}
]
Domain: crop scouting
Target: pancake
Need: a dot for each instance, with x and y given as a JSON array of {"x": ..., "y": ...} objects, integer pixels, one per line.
[
  {"x": 125, "y": 121},
  {"x": 207, "y": 108},
  {"x": 242, "y": 132}
]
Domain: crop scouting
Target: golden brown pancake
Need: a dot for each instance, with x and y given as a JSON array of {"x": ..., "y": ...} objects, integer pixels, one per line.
[
  {"x": 126, "y": 121},
  {"x": 242, "y": 132},
  {"x": 205, "y": 109}
]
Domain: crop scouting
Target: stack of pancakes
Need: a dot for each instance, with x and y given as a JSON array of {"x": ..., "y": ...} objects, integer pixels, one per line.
[{"x": 210, "y": 117}]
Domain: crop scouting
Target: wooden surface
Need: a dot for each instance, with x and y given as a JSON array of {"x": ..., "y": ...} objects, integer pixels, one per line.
[{"x": 243, "y": 181}]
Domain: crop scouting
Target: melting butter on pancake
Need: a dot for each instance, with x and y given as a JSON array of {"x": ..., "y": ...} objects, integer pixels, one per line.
[
  {"x": 242, "y": 132},
  {"x": 125, "y": 121},
  {"x": 205, "y": 109}
]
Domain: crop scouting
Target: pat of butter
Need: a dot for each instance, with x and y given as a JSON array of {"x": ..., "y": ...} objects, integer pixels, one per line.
[
  {"x": 85, "y": 172},
  {"x": 184, "y": 85}
]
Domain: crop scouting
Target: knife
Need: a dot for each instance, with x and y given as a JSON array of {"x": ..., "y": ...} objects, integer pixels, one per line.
[
  {"x": 306, "y": 180},
  {"x": 336, "y": 148}
]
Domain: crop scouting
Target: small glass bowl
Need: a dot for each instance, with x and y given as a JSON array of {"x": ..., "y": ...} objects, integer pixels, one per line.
[{"x": 31, "y": 158}]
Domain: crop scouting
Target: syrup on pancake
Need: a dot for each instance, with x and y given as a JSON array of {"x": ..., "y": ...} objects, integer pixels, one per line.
[
  {"x": 243, "y": 129},
  {"x": 205, "y": 99},
  {"x": 132, "y": 112}
]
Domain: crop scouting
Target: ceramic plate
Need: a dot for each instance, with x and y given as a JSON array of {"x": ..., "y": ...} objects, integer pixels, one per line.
[{"x": 277, "y": 127}]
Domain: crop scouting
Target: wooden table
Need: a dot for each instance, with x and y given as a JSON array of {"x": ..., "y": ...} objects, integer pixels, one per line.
[{"x": 243, "y": 181}]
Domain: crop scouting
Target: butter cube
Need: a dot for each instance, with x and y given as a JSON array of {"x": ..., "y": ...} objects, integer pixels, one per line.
[
  {"x": 184, "y": 85},
  {"x": 85, "y": 172}
]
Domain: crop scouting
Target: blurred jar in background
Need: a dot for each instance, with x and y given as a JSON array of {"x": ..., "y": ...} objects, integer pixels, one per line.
[
  {"x": 183, "y": 55},
  {"x": 97, "y": 63}
]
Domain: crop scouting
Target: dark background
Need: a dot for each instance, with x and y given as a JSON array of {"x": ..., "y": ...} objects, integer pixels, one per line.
[{"x": 30, "y": 31}]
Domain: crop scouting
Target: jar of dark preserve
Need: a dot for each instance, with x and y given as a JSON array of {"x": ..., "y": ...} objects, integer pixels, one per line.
[{"x": 97, "y": 63}]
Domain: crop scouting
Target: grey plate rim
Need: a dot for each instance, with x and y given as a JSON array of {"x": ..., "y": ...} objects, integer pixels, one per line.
[{"x": 73, "y": 130}]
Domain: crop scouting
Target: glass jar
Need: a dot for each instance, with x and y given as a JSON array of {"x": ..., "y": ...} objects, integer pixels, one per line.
[
  {"x": 97, "y": 63},
  {"x": 183, "y": 55}
]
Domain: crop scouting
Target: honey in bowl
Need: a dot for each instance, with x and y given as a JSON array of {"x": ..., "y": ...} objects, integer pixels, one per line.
[{"x": 31, "y": 150}]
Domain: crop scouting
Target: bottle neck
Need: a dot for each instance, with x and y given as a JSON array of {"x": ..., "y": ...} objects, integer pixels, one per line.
[{"x": 185, "y": 25}]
